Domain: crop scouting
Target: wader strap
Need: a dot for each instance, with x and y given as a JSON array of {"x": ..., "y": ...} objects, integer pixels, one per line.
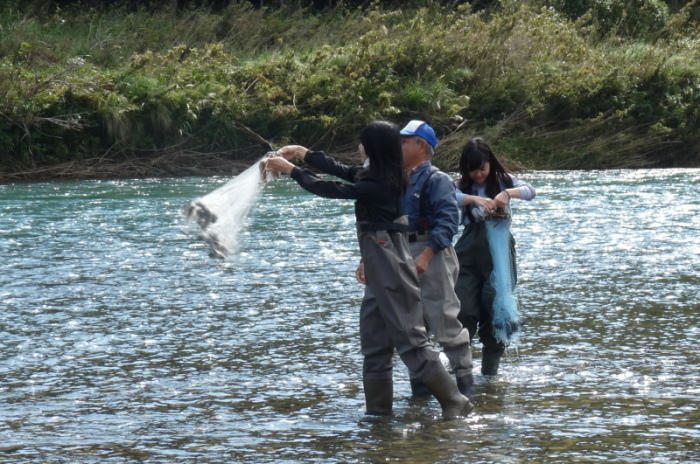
[
  {"x": 416, "y": 237},
  {"x": 468, "y": 212},
  {"x": 423, "y": 224}
]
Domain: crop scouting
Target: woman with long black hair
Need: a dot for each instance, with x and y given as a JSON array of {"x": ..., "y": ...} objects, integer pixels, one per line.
[
  {"x": 396, "y": 321},
  {"x": 484, "y": 190}
]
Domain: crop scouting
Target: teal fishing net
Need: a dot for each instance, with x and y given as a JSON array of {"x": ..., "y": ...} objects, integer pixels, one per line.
[
  {"x": 506, "y": 320},
  {"x": 220, "y": 216}
]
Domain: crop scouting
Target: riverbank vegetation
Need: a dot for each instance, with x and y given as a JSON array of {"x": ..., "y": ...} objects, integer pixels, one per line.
[{"x": 137, "y": 90}]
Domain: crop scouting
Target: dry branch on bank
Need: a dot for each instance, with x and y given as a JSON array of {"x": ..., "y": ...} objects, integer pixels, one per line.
[{"x": 174, "y": 164}]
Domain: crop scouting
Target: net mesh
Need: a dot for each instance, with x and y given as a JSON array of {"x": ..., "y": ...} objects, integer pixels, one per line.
[
  {"x": 220, "y": 216},
  {"x": 506, "y": 321}
]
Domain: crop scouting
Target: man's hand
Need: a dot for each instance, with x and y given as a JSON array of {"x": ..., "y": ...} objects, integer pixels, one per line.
[
  {"x": 423, "y": 260},
  {"x": 360, "y": 273}
]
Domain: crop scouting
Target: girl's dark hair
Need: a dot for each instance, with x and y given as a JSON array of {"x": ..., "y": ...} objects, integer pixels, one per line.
[
  {"x": 382, "y": 143},
  {"x": 474, "y": 155}
]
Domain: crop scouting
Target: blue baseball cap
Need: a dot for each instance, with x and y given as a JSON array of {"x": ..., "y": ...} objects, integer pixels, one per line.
[{"x": 421, "y": 129}]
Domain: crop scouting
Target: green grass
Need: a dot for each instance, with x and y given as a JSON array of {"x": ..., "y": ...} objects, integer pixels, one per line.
[{"x": 547, "y": 91}]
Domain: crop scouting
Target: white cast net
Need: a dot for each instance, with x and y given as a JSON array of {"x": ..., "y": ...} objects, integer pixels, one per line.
[{"x": 220, "y": 216}]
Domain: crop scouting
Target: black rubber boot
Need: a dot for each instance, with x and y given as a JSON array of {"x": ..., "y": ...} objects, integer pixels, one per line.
[
  {"x": 419, "y": 389},
  {"x": 445, "y": 390},
  {"x": 491, "y": 359},
  {"x": 465, "y": 384},
  {"x": 379, "y": 396}
]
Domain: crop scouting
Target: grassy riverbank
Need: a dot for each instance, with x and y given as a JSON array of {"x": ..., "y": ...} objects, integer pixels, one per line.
[{"x": 117, "y": 92}]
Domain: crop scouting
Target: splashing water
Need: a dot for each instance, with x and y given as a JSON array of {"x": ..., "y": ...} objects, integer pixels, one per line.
[
  {"x": 506, "y": 326},
  {"x": 221, "y": 215}
]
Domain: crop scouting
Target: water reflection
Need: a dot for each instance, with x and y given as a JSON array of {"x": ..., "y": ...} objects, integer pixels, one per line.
[{"x": 121, "y": 341}]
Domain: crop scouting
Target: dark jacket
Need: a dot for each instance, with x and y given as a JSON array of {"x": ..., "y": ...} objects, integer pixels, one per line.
[{"x": 376, "y": 200}]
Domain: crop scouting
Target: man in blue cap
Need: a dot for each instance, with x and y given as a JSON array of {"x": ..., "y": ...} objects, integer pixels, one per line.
[
  {"x": 433, "y": 220},
  {"x": 430, "y": 204}
]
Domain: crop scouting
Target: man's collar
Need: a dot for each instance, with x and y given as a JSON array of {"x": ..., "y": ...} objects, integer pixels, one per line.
[{"x": 418, "y": 167}]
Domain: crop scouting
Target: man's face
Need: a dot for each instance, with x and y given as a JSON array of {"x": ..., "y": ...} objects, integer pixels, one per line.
[{"x": 412, "y": 148}]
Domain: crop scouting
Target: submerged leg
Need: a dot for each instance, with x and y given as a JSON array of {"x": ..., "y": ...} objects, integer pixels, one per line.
[
  {"x": 491, "y": 358},
  {"x": 445, "y": 390},
  {"x": 379, "y": 396},
  {"x": 378, "y": 351},
  {"x": 465, "y": 384}
]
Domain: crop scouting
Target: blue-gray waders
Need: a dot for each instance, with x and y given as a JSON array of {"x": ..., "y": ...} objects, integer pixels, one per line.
[
  {"x": 476, "y": 294},
  {"x": 391, "y": 318},
  {"x": 440, "y": 311}
]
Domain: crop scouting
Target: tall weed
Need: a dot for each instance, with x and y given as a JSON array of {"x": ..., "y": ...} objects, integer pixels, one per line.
[{"x": 549, "y": 90}]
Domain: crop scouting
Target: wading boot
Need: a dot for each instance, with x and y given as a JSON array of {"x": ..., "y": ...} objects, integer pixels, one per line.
[
  {"x": 491, "y": 358},
  {"x": 379, "y": 396},
  {"x": 419, "y": 389},
  {"x": 445, "y": 390},
  {"x": 465, "y": 384}
]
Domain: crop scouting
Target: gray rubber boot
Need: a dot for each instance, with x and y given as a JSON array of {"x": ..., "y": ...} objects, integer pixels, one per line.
[
  {"x": 445, "y": 390},
  {"x": 465, "y": 384},
  {"x": 491, "y": 359},
  {"x": 379, "y": 396}
]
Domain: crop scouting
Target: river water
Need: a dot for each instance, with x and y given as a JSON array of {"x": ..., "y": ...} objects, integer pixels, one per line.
[{"x": 121, "y": 341}]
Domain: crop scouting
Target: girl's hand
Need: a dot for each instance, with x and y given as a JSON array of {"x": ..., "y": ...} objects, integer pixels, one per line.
[
  {"x": 502, "y": 199},
  {"x": 488, "y": 204},
  {"x": 293, "y": 151},
  {"x": 279, "y": 164}
]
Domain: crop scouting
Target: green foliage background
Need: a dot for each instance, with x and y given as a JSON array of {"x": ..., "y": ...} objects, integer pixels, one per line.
[{"x": 552, "y": 84}]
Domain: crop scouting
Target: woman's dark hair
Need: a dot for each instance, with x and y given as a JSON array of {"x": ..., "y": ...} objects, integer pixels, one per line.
[
  {"x": 475, "y": 154},
  {"x": 382, "y": 143}
]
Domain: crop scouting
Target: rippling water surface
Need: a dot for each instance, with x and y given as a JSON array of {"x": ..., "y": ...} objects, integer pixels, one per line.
[{"x": 121, "y": 341}]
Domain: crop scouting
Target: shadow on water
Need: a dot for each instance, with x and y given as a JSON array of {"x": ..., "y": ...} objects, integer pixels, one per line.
[{"x": 122, "y": 342}]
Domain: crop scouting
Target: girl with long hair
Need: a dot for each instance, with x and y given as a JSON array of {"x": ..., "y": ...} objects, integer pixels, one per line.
[
  {"x": 484, "y": 191},
  {"x": 395, "y": 322}
]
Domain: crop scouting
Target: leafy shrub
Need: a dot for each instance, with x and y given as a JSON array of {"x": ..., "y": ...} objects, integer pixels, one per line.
[
  {"x": 545, "y": 88},
  {"x": 632, "y": 18},
  {"x": 629, "y": 18}
]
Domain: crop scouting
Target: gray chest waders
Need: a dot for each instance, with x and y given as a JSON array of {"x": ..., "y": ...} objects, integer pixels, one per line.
[
  {"x": 391, "y": 317},
  {"x": 440, "y": 302}
]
